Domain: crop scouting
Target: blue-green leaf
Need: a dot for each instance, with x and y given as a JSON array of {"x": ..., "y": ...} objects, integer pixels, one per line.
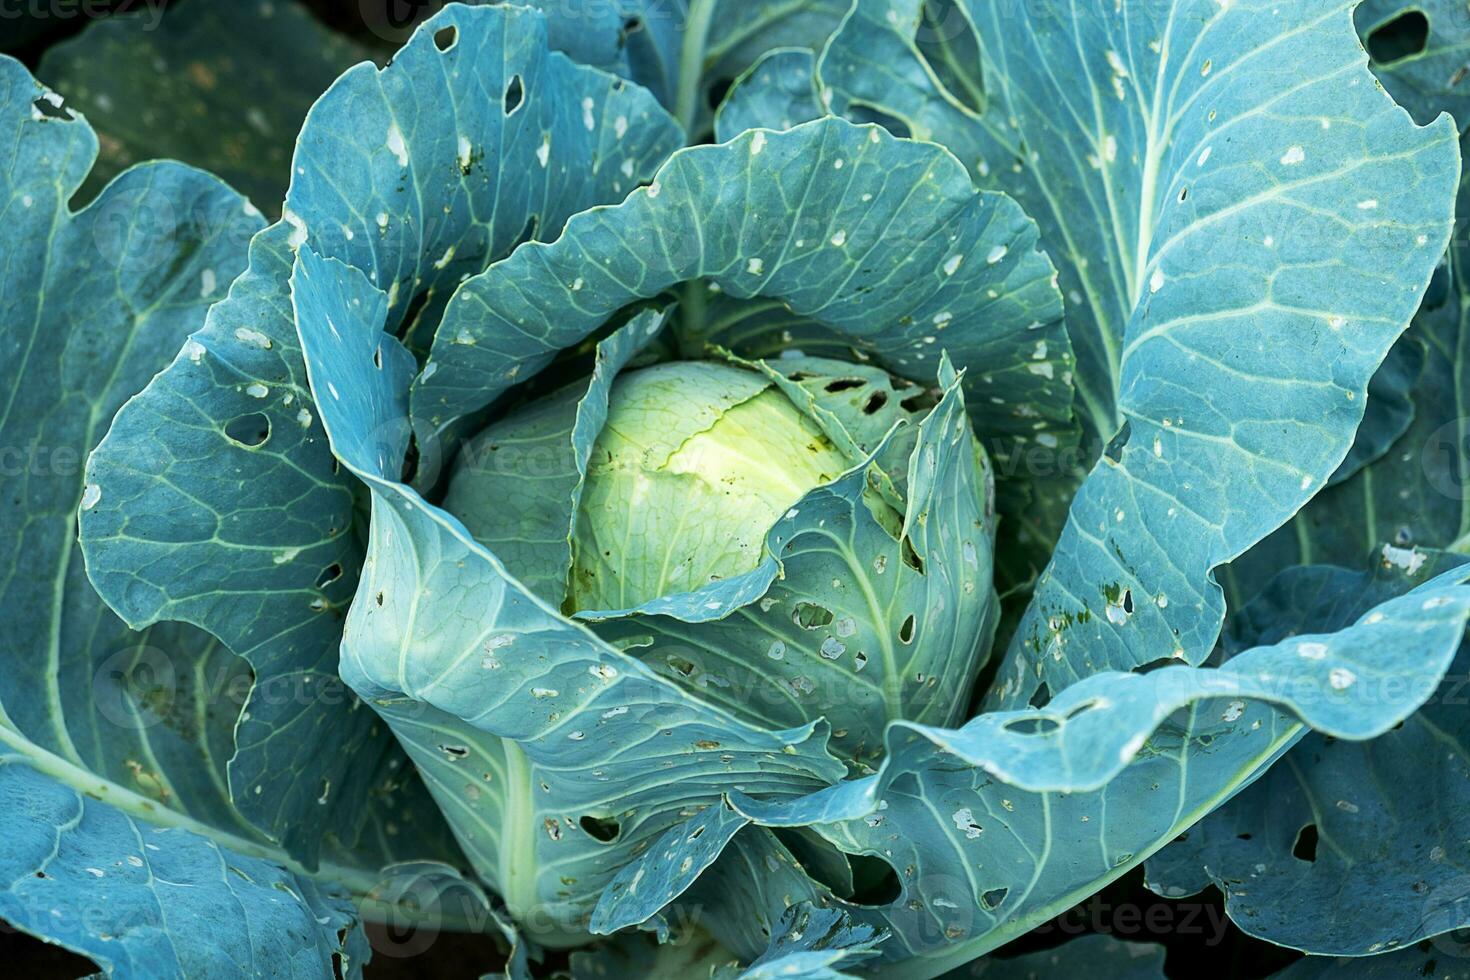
[
  {"x": 219, "y": 503},
  {"x": 777, "y": 92},
  {"x": 809, "y": 943},
  {"x": 666, "y": 870},
  {"x": 1344, "y": 848},
  {"x": 883, "y": 246},
  {"x": 1109, "y": 771},
  {"x": 685, "y": 50},
  {"x": 1199, "y": 172},
  {"x": 152, "y": 902}
]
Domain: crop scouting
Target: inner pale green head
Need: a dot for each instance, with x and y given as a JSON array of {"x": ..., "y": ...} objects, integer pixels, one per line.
[{"x": 697, "y": 461}]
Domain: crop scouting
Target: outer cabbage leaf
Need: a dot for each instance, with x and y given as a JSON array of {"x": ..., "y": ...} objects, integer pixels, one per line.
[
  {"x": 261, "y": 544},
  {"x": 1105, "y": 774},
  {"x": 102, "y": 729},
  {"x": 1344, "y": 848},
  {"x": 685, "y": 51},
  {"x": 1429, "y": 81},
  {"x": 777, "y": 92},
  {"x": 808, "y": 943},
  {"x": 554, "y": 755},
  {"x": 155, "y": 902},
  {"x": 877, "y": 244},
  {"x": 1200, "y": 172},
  {"x": 171, "y": 87},
  {"x": 85, "y": 290},
  {"x": 1415, "y": 493}
]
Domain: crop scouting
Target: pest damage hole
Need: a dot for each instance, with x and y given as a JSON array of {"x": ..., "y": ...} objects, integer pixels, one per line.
[
  {"x": 810, "y": 616},
  {"x": 410, "y": 467},
  {"x": 601, "y": 828},
  {"x": 447, "y": 38},
  {"x": 874, "y": 882},
  {"x": 1128, "y": 601},
  {"x": 1403, "y": 37},
  {"x": 1114, "y": 450},
  {"x": 994, "y": 897},
  {"x": 910, "y": 556},
  {"x": 1042, "y": 697},
  {"x": 329, "y": 575},
  {"x": 922, "y": 401},
  {"x": 906, "y": 629},
  {"x": 875, "y": 401},
  {"x": 49, "y": 106},
  {"x": 1305, "y": 848},
  {"x": 1032, "y": 726},
  {"x": 249, "y": 430},
  {"x": 632, "y": 25},
  {"x": 378, "y": 358},
  {"x": 843, "y": 384},
  {"x": 515, "y": 94}
]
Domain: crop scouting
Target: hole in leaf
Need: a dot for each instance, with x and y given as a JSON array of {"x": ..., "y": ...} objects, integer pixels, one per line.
[
  {"x": 1403, "y": 37},
  {"x": 447, "y": 38},
  {"x": 329, "y": 575},
  {"x": 249, "y": 430},
  {"x": 632, "y": 25},
  {"x": 380, "y": 598},
  {"x": 1242, "y": 836},
  {"x": 994, "y": 897},
  {"x": 378, "y": 358},
  {"x": 1128, "y": 601},
  {"x": 601, "y": 828},
  {"x": 680, "y": 666},
  {"x": 922, "y": 401},
  {"x": 843, "y": 384},
  {"x": 410, "y": 460},
  {"x": 1305, "y": 848},
  {"x": 1114, "y": 450},
  {"x": 906, "y": 629},
  {"x": 515, "y": 94},
  {"x": 910, "y": 556},
  {"x": 1183, "y": 194},
  {"x": 1085, "y": 706},
  {"x": 874, "y": 882},
  {"x": 810, "y": 616},
  {"x": 875, "y": 401},
  {"x": 1032, "y": 726},
  {"x": 52, "y": 110},
  {"x": 1042, "y": 697}
]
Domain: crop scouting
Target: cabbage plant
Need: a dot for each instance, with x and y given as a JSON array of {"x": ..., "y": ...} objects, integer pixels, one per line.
[{"x": 735, "y": 489}]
